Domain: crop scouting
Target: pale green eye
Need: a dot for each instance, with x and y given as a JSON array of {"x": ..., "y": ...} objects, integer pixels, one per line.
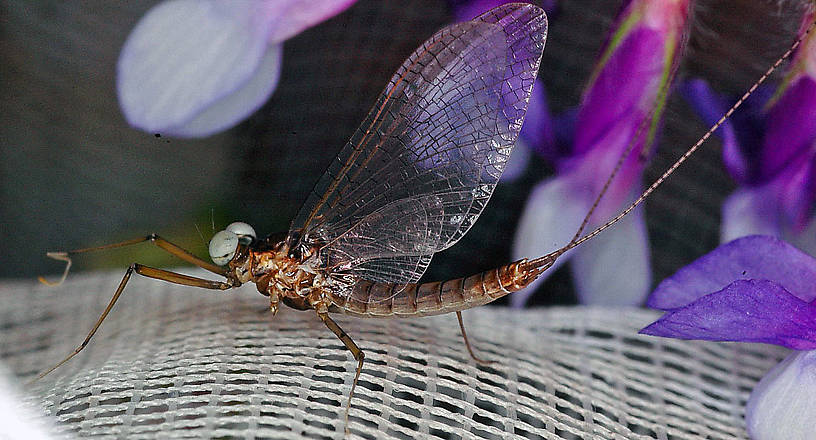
[
  {"x": 245, "y": 233},
  {"x": 223, "y": 246}
]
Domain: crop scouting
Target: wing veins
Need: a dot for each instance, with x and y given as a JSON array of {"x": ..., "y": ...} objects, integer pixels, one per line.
[{"x": 357, "y": 150}]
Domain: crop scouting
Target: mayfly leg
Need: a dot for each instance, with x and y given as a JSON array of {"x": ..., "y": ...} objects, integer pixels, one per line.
[
  {"x": 165, "y": 245},
  {"x": 467, "y": 342},
  {"x": 147, "y": 271},
  {"x": 358, "y": 354}
]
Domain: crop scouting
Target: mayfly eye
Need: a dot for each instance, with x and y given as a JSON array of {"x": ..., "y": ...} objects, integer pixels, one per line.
[
  {"x": 223, "y": 246},
  {"x": 245, "y": 233}
]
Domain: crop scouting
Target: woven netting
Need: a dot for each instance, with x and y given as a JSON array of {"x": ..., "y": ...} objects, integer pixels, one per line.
[{"x": 181, "y": 362}]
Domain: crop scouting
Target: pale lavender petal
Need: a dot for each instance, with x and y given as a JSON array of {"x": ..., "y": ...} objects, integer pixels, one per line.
[
  {"x": 750, "y": 211},
  {"x": 613, "y": 268},
  {"x": 292, "y": 17},
  {"x": 783, "y": 404},
  {"x": 185, "y": 55},
  {"x": 517, "y": 164},
  {"x": 746, "y": 311},
  {"x": 235, "y": 107},
  {"x": 592, "y": 170},
  {"x": 554, "y": 211},
  {"x": 757, "y": 257},
  {"x": 791, "y": 127}
]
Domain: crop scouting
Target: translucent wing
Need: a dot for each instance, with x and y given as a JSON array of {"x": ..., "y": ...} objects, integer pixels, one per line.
[
  {"x": 412, "y": 228},
  {"x": 440, "y": 134}
]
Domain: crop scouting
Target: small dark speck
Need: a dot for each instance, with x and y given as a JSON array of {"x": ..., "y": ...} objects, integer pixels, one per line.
[
  {"x": 158, "y": 135},
  {"x": 294, "y": 132},
  {"x": 744, "y": 272}
]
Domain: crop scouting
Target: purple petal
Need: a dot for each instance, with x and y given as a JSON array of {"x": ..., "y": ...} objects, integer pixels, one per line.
[
  {"x": 613, "y": 268},
  {"x": 746, "y": 311},
  {"x": 554, "y": 210},
  {"x": 791, "y": 127},
  {"x": 184, "y": 56},
  {"x": 624, "y": 90},
  {"x": 750, "y": 211},
  {"x": 756, "y": 257},
  {"x": 464, "y": 10},
  {"x": 592, "y": 170},
  {"x": 564, "y": 131},
  {"x": 292, "y": 17},
  {"x": 783, "y": 404},
  {"x": 538, "y": 125},
  {"x": 797, "y": 190},
  {"x": 711, "y": 107}
]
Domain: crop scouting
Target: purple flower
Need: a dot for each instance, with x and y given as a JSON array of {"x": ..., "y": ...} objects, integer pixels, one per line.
[
  {"x": 771, "y": 153},
  {"x": 191, "y": 68},
  {"x": 624, "y": 95},
  {"x": 753, "y": 289}
]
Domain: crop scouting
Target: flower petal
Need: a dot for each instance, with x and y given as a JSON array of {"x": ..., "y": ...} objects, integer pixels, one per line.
[
  {"x": 552, "y": 214},
  {"x": 464, "y": 10},
  {"x": 592, "y": 171},
  {"x": 750, "y": 211},
  {"x": 613, "y": 268},
  {"x": 185, "y": 55},
  {"x": 791, "y": 127},
  {"x": 610, "y": 101},
  {"x": 805, "y": 240},
  {"x": 747, "y": 311},
  {"x": 797, "y": 190},
  {"x": 783, "y": 404},
  {"x": 235, "y": 107},
  {"x": 711, "y": 107},
  {"x": 754, "y": 257},
  {"x": 538, "y": 129},
  {"x": 292, "y": 17},
  {"x": 517, "y": 164}
]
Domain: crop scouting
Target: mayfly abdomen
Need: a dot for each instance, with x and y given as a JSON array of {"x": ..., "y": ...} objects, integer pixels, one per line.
[{"x": 377, "y": 299}]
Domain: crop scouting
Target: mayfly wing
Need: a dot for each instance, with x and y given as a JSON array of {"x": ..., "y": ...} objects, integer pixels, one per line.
[
  {"x": 393, "y": 244},
  {"x": 435, "y": 142}
]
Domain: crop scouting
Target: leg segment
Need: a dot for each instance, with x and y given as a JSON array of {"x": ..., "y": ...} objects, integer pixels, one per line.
[
  {"x": 149, "y": 272},
  {"x": 355, "y": 351},
  {"x": 153, "y": 238},
  {"x": 467, "y": 343}
]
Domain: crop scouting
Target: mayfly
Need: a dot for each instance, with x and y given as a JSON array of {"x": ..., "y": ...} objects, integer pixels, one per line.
[{"x": 411, "y": 182}]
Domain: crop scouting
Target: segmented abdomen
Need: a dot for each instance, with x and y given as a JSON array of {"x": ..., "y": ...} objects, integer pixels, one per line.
[{"x": 374, "y": 299}]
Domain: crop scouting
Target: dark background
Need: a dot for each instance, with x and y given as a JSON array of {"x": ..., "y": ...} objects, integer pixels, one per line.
[{"x": 73, "y": 174}]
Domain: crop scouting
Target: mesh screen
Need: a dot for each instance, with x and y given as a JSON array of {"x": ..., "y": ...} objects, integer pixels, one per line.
[{"x": 180, "y": 362}]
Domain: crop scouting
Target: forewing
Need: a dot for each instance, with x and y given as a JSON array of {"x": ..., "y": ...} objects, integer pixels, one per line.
[{"x": 444, "y": 126}]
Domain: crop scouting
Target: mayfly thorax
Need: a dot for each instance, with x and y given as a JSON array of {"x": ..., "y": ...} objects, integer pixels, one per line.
[{"x": 411, "y": 182}]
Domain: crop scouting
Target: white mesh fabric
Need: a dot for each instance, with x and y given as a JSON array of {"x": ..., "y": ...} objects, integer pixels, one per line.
[{"x": 174, "y": 361}]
